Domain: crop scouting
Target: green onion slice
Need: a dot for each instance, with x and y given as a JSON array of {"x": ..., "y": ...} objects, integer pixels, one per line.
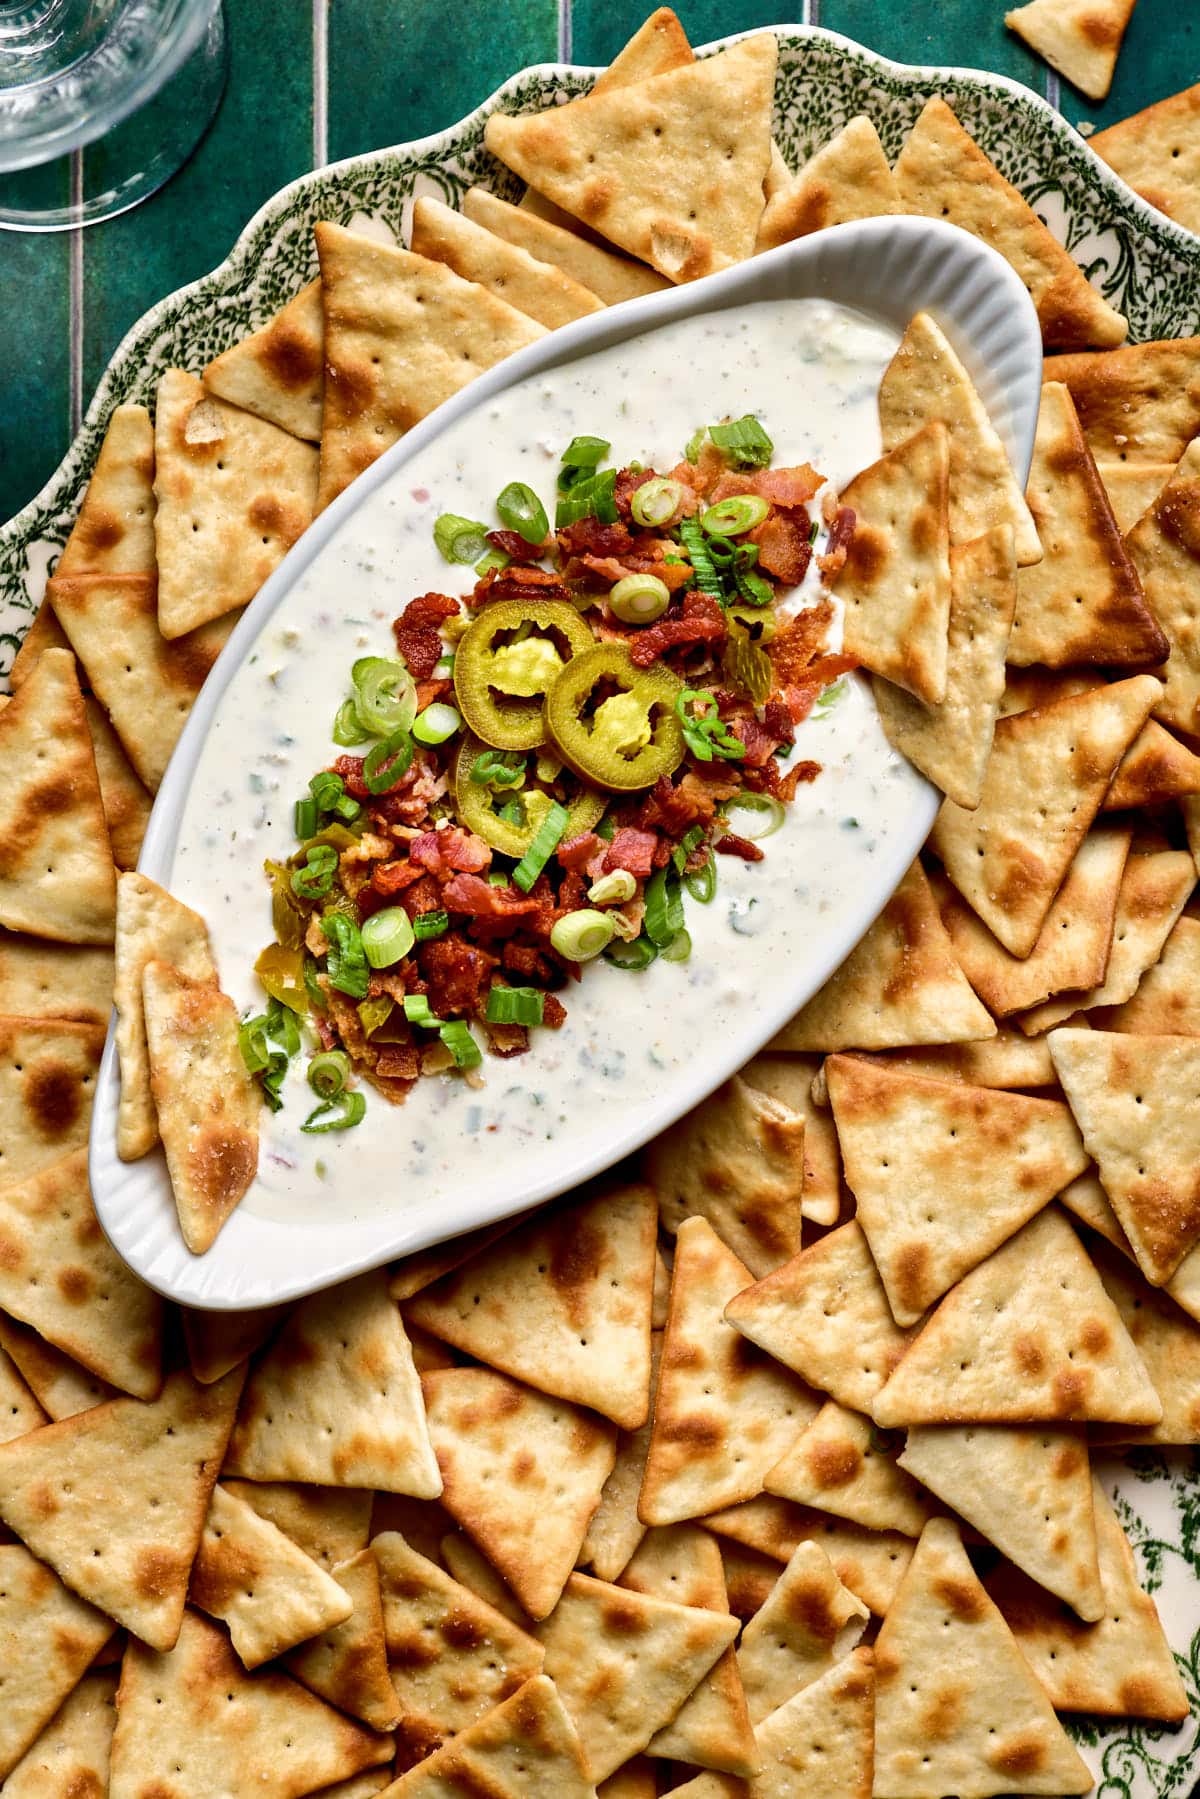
[
  {"x": 738, "y": 514},
  {"x": 585, "y": 452},
  {"x": 328, "y": 1073},
  {"x": 583, "y": 934},
  {"x": 639, "y": 599},
  {"x": 830, "y": 696},
  {"x": 252, "y": 1041},
  {"x": 387, "y": 937},
  {"x": 417, "y": 1010},
  {"x": 386, "y": 763},
  {"x": 547, "y": 839},
  {"x": 704, "y": 730},
  {"x": 753, "y": 587},
  {"x": 611, "y": 890},
  {"x": 664, "y": 908},
  {"x": 341, "y": 1114},
  {"x": 436, "y": 723},
  {"x": 316, "y": 993},
  {"x": 515, "y": 1005},
  {"x": 462, "y": 1046},
  {"x": 522, "y": 511},
  {"x": 314, "y": 879},
  {"x": 495, "y": 559},
  {"x": 679, "y": 948},
  {"x": 702, "y": 883},
  {"x": 348, "y": 727},
  {"x": 592, "y": 497},
  {"x": 694, "y": 445},
  {"x": 684, "y": 848},
  {"x": 498, "y": 768},
  {"x": 635, "y": 956},
  {"x": 430, "y": 924},
  {"x": 698, "y": 551},
  {"x": 655, "y": 503},
  {"x": 385, "y": 694},
  {"x": 346, "y": 964},
  {"x": 306, "y": 817},
  {"x": 743, "y": 442},
  {"x": 460, "y": 539},
  {"x": 767, "y": 814}
]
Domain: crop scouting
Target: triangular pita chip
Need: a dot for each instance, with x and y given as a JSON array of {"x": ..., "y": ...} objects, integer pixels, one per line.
[
  {"x": 147, "y": 683},
  {"x": 266, "y": 1591},
  {"x": 788, "y": 1078},
  {"x": 424, "y": 1266},
  {"x": 401, "y": 335},
  {"x": 1044, "y": 784},
  {"x": 1083, "y": 602},
  {"x": 1168, "y": 1342},
  {"x": 336, "y": 1399},
  {"x": 56, "y": 868},
  {"x": 1027, "y": 1489},
  {"x": 670, "y": 169},
  {"x": 809, "y": 1622},
  {"x": 521, "y": 1473},
  {"x": 645, "y": 1655},
  {"x": 1157, "y": 152},
  {"x": 70, "y": 1759},
  {"x": 191, "y": 1722},
  {"x": 562, "y": 1303},
  {"x": 1132, "y": 487},
  {"x": 611, "y": 278},
  {"x": 234, "y": 493},
  {"x": 1140, "y": 404},
  {"x": 1165, "y": 548},
  {"x": 943, "y": 1173},
  {"x": 47, "y": 1077},
  {"x": 1156, "y": 767},
  {"x": 526, "y": 1748},
  {"x": 826, "y": 1315},
  {"x": 424, "y": 1524},
  {"x": 114, "y": 533},
  {"x": 126, "y": 802},
  {"x": 943, "y": 173},
  {"x": 1006, "y": 1060},
  {"x": 48, "y": 1637},
  {"x": 636, "y": 1780},
  {"x": 749, "y": 1576},
  {"x": 535, "y": 288},
  {"x": 724, "y": 1412},
  {"x": 682, "y": 1562},
  {"x": 1120, "y": 1666},
  {"x": 1027, "y": 688},
  {"x": 869, "y": 1563},
  {"x": 847, "y": 178},
  {"x": 950, "y": 742},
  {"x": 60, "y": 1274},
  {"x": 452, "y": 1656},
  {"x": 277, "y": 373},
  {"x": 54, "y": 980},
  {"x": 957, "y": 1707},
  {"x": 218, "y": 1341},
  {"x": 151, "y": 924},
  {"x": 470, "y": 1566},
  {"x": 123, "y": 1529},
  {"x": 900, "y": 986},
  {"x": 1079, "y": 38},
  {"x": 1166, "y": 1001},
  {"x": 61, "y": 1386},
  {"x": 895, "y": 582},
  {"x": 737, "y": 1160},
  {"x": 347, "y": 1663},
  {"x": 846, "y": 1465},
  {"x": 659, "y": 43},
  {"x": 329, "y": 1523},
  {"x": 19, "y": 1410},
  {"x": 615, "y": 1529},
  {"x": 1028, "y": 1336},
  {"x": 45, "y": 633}
]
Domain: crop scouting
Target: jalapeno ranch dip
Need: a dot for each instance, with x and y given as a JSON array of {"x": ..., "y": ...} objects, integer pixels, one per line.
[{"x": 549, "y": 775}]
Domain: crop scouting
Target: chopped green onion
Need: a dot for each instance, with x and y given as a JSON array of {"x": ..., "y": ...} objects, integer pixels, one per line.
[
  {"x": 522, "y": 511},
  {"x": 430, "y": 924},
  {"x": 636, "y": 955},
  {"x": 386, "y": 763},
  {"x": 704, "y": 730},
  {"x": 607, "y": 828},
  {"x": 581, "y": 935},
  {"x": 460, "y": 539},
  {"x": 679, "y": 948},
  {"x": 328, "y": 1072},
  {"x": 498, "y": 768},
  {"x": 829, "y": 696},
  {"x": 252, "y": 1041},
  {"x": 306, "y": 817},
  {"x": 813, "y": 529},
  {"x": 547, "y": 839},
  {"x": 585, "y": 452},
  {"x": 639, "y": 599},
  {"x": 328, "y": 1117},
  {"x": 767, "y": 811},
  {"x": 326, "y": 789},
  {"x": 736, "y": 515},
  {"x": 753, "y": 587},
  {"x": 495, "y": 559},
  {"x": 698, "y": 550},
  {"x": 348, "y": 728},
  {"x": 515, "y": 1005},
  {"x": 443, "y": 668},
  {"x": 592, "y": 497},
  {"x": 272, "y": 1080},
  {"x": 724, "y": 554},
  {"x": 282, "y": 1026},
  {"x": 385, "y": 694},
  {"x": 743, "y": 442},
  {"x": 701, "y": 883},
  {"x": 461, "y": 1044},
  {"x": 316, "y": 993},
  {"x": 387, "y": 937},
  {"x": 436, "y": 723},
  {"x": 314, "y": 879},
  {"x": 417, "y": 1010},
  {"x": 656, "y": 502},
  {"x": 664, "y": 908},
  {"x": 695, "y": 444},
  {"x": 683, "y": 850},
  {"x": 346, "y": 964},
  {"x": 611, "y": 889}
]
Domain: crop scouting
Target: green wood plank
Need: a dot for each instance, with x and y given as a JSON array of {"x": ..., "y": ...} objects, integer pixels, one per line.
[
  {"x": 400, "y": 72},
  {"x": 969, "y": 34},
  {"x": 35, "y": 340},
  {"x": 598, "y": 28}
]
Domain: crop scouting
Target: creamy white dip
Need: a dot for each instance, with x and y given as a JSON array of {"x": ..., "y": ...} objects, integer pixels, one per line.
[{"x": 810, "y": 371}]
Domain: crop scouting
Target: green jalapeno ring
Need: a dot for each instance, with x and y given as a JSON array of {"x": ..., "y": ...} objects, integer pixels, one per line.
[
  {"x": 510, "y": 723},
  {"x": 648, "y": 698}
]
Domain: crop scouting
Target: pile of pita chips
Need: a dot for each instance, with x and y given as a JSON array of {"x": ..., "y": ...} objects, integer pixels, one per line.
[
  {"x": 1157, "y": 152},
  {"x": 1079, "y": 38},
  {"x": 50, "y": 1637}
]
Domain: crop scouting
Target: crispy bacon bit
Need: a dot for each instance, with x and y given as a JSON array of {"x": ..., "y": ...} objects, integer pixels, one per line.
[
  {"x": 524, "y": 960},
  {"x": 606, "y": 571},
  {"x": 729, "y": 845},
  {"x": 518, "y": 548},
  {"x": 701, "y": 621},
  {"x": 793, "y": 486},
  {"x": 468, "y": 893},
  {"x": 627, "y": 483},
  {"x": 577, "y": 852},
  {"x": 631, "y": 849},
  {"x": 393, "y": 877},
  {"x": 457, "y": 973},
  {"x": 351, "y": 770},
  {"x": 759, "y": 741},
  {"x": 518, "y": 583},
  {"x": 505, "y": 1040},
  {"x": 777, "y": 718},
  {"x": 674, "y": 810},
  {"x": 418, "y": 632},
  {"x": 793, "y": 647},
  {"x": 591, "y": 537},
  {"x": 841, "y": 531},
  {"x": 783, "y": 547},
  {"x": 423, "y": 896},
  {"x": 801, "y": 773},
  {"x": 398, "y": 1062},
  {"x": 554, "y": 1013}
]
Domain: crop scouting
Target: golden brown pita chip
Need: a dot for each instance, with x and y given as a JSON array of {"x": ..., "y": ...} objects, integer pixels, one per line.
[
  {"x": 1157, "y": 152},
  {"x": 1120, "y": 1666},
  {"x": 277, "y": 372},
  {"x": 535, "y": 288},
  {"x": 329, "y": 1523},
  {"x": 788, "y": 1078},
  {"x": 336, "y": 1399},
  {"x": 49, "y": 1639},
  {"x": 526, "y": 1748},
  {"x": 1166, "y": 1001},
  {"x": 1155, "y": 768},
  {"x": 1140, "y": 404},
  {"x": 943, "y": 173},
  {"x": 1167, "y": 1340},
  {"x": 234, "y": 493},
  {"x": 424, "y": 1266},
  {"x": 1084, "y": 601},
  {"x": 1045, "y": 781},
  {"x": 126, "y": 802},
  {"x": 61, "y": 1386},
  {"x": 957, "y": 1707},
  {"x": 1131, "y": 486},
  {"x": 581, "y": 1334},
  {"x": 749, "y": 1576},
  {"x": 1079, "y": 38},
  {"x": 1028, "y": 1336},
  {"x": 1007, "y": 1060},
  {"x": 114, "y": 533},
  {"x": 423, "y": 1523},
  {"x": 868, "y": 1562},
  {"x": 847, "y": 178},
  {"x": 610, "y": 277},
  {"x": 401, "y": 335},
  {"x": 845, "y": 1465},
  {"x": 130, "y": 1483},
  {"x": 636, "y": 1780},
  {"x": 218, "y": 1341},
  {"x": 670, "y": 169},
  {"x": 19, "y": 1410},
  {"x": 469, "y": 1565},
  {"x": 660, "y": 43},
  {"x": 56, "y": 868},
  {"x": 347, "y": 1664},
  {"x": 70, "y": 1759},
  {"x": 615, "y": 1530},
  {"x": 1165, "y": 548},
  {"x": 45, "y": 633},
  {"x": 810, "y": 1620},
  {"x": 47, "y": 1076}
]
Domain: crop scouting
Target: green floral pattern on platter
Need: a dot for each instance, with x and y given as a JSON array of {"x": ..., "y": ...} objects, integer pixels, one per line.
[{"x": 1147, "y": 267}]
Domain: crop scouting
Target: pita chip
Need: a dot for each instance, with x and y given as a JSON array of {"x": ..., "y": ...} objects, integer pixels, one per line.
[
  {"x": 737, "y": 1160},
  {"x": 1029, "y": 1336},
  {"x": 1132, "y": 487},
  {"x": 1137, "y": 405},
  {"x": 191, "y": 1721},
  {"x": 527, "y": 1748},
  {"x": 347, "y": 1663},
  {"x": 809, "y": 1622},
  {"x": 844, "y": 1464},
  {"x": 950, "y": 742},
  {"x": 331, "y": 1524},
  {"x": 1166, "y": 1001},
  {"x": 900, "y": 986},
  {"x": 402, "y": 334},
  {"x": 584, "y": 1333},
  {"x": 19, "y": 1410},
  {"x": 56, "y": 869},
  {"x": 825, "y": 1314},
  {"x": 1168, "y": 1342},
  {"x": 49, "y": 1637},
  {"x": 234, "y": 493},
  {"x": 265, "y": 1590},
  {"x": 71, "y": 1756},
  {"x": 336, "y": 1399},
  {"x": 615, "y": 1530},
  {"x": 124, "y": 1529},
  {"x": 646, "y": 1655},
  {"x": 670, "y": 169},
  {"x": 636, "y": 1780},
  {"x": 521, "y": 1473},
  {"x": 724, "y": 1412},
  {"x": 424, "y": 1266},
  {"x": 47, "y": 1076},
  {"x": 45, "y": 633},
  {"x": 277, "y": 372},
  {"x": 1157, "y": 152},
  {"x": 359, "y": 1786},
  {"x": 1027, "y": 1489},
  {"x": 1079, "y": 38},
  {"x": 470, "y": 1566},
  {"x": 1164, "y": 547},
  {"x": 452, "y": 1656},
  {"x": 1155, "y": 768},
  {"x": 218, "y": 1341},
  {"x": 610, "y": 277},
  {"x": 151, "y": 924},
  {"x": 749, "y": 1576},
  {"x": 126, "y": 802},
  {"x": 1006, "y": 1060},
  {"x": 868, "y": 1562},
  {"x": 423, "y": 1523},
  {"x": 660, "y": 43},
  {"x": 1121, "y": 1665},
  {"x": 1084, "y": 601},
  {"x": 957, "y": 1707},
  {"x": 62, "y": 1387},
  {"x": 943, "y": 1173},
  {"x": 895, "y": 582},
  {"x": 114, "y": 533},
  {"x": 847, "y": 178},
  {"x": 711, "y": 1729},
  {"x": 942, "y": 173},
  {"x": 789, "y": 1078},
  {"x": 1045, "y": 781},
  {"x": 535, "y": 288}
]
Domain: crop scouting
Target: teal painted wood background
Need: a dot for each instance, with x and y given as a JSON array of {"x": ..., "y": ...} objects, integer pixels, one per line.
[{"x": 321, "y": 80}]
